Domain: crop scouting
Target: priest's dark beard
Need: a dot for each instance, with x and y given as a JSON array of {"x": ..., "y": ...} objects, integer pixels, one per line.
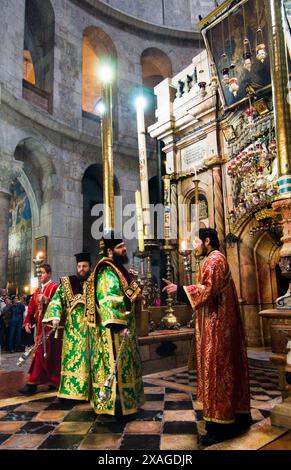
[
  {"x": 83, "y": 278},
  {"x": 120, "y": 259}
]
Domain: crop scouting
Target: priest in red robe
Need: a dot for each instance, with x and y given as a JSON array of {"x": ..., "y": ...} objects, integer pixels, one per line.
[
  {"x": 42, "y": 370},
  {"x": 222, "y": 365}
]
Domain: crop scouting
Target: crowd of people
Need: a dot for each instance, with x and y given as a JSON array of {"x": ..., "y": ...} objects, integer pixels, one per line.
[{"x": 13, "y": 310}]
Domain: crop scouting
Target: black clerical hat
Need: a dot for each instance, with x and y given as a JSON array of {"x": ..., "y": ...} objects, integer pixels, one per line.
[
  {"x": 111, "y": 239},
  {"x": 83, "y": 257}
]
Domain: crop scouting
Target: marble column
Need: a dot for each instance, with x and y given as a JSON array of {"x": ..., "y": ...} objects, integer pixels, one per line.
[
  {"x": 9, "y": 170},
  {"x": 174, "y": 227}
]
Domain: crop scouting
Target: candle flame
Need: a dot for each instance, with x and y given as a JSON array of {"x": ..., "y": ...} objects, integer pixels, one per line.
[
  {"x": 39, "y": 255},
  {"x": 183, "y": 245}
]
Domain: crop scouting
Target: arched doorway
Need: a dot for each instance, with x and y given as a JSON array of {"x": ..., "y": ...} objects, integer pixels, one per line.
[
  {"x": 31, "y": 192},
  {"x": 92, "y": 190},
  {"x": 98, "y": 48},
  {"x": 253, "y": 261},
  {"x": 38, "y": 52},
  {"x": 19, "y": 240},
  {"x": 156, "y": 66},
  {"x": 271, "y": 283}
]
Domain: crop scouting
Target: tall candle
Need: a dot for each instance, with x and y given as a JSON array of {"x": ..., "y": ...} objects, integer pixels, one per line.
[
  {"x": 167, "y": 206},
  {"x": 139, "y": 221},
  {"x": 143, "y": 167}
]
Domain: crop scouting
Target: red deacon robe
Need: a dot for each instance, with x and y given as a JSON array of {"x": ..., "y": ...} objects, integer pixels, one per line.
[
  {"x": 44, "y": 371},
  {"x": 222, "y": 366}
]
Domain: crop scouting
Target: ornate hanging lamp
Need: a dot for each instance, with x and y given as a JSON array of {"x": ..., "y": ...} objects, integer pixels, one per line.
[
  {"x": 233, "y": 81},
  {"x": 225, "y": 64},
  {"x": 247, "y": 55},
  {"x": 201, "y": 81},
  {"x": 261, "y": 48}
]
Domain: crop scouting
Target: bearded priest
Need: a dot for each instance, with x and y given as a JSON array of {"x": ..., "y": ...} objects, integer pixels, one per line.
[
  {"x": 222, "y": 364},
  {"x": 111, "y": 299}
]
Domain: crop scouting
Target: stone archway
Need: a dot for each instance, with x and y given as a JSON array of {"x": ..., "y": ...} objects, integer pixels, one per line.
[
  {"x": 155, "y": 67},
  {"x": 266, "y": 257},
  {"x": 30, "y": 192},
  {"x": 19, "y": 240},
  {"x": 253, "y": 262},
  {"x": 97, "y": 48},
  {"x": 38, "y": 53}
]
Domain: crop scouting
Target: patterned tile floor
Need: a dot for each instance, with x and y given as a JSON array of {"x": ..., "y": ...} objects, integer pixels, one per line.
[{"x": 169, "y": 420}]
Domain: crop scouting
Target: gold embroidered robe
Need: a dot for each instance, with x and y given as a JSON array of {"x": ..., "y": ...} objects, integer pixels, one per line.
[
  {"x": 110, "y": 300},
  {"x": 69, "y": 302}
]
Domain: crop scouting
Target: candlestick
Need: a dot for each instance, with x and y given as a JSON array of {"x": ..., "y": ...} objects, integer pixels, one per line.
[
  {"x": 167, "y": 207},
  {"x": 169, "y": 320}
]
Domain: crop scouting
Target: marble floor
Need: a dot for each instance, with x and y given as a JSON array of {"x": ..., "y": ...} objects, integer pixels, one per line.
[{"x": 171, "y": 418}]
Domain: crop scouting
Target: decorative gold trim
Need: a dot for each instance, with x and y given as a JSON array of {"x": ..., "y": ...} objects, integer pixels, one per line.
[
  {"x": 214, "y": 420},
  {"x": 78, "y": 300},
  {"x": 132, "y": 291},
  {"x": 90, "y": 304},
  {"x": 65, "y": 281},
  {"x": 72, "y": 299},
  {"x": 73, "y": 397},
  {"x": 214, "y": 13}
]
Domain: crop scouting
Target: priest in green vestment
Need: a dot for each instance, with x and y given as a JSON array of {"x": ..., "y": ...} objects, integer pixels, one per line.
[
  {"x": 67, "y": 310},
  {"x": 111, "y": 299}
]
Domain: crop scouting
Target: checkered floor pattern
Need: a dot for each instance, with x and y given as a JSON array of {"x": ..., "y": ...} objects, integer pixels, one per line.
[{"x": 169, "y": 420}]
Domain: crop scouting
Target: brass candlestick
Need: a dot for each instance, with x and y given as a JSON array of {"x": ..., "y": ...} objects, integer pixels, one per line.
[
  {"x": 150, "y": 245},
  {"x": 169, "y": 320}
]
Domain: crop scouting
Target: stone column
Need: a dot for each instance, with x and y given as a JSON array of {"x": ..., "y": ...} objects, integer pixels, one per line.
[
  {"x": 174, "y": 226},
  {"x": 9, "y": 170}
]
